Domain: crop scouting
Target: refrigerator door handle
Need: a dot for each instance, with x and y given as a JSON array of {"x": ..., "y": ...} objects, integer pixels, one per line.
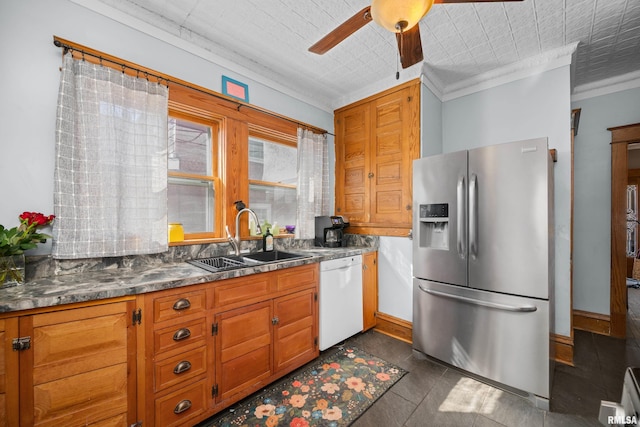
[
  {"x": 462, "y": 220},
  {"x": 504, "y": 307},
  {"x": 473, "y": 216}
]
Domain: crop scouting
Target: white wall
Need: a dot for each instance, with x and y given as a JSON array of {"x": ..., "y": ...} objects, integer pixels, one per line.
[
  {"x": 30, "y": 79},
  {"x": 537, "y": 106},
  {"x": 395, "y": 281},
  {"x": 592, "y": 195}
]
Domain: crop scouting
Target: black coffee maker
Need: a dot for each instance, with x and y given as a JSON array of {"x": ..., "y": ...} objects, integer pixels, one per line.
[{"x": 329, "y": 231}]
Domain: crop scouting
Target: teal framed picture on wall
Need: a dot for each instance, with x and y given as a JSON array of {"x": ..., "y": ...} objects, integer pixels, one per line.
[{"x": 234, "y": 88}]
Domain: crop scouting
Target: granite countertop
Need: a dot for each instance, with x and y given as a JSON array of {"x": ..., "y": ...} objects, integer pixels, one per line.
[{"x": 112, "y": 283}]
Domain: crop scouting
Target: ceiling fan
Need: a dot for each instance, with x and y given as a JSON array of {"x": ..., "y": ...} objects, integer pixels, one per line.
[{"x": 398, "y": 16}]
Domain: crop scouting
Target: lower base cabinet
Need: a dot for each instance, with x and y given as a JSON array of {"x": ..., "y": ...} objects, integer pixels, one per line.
[
  {"x": 76, "y": 367},
  {"x": 168, "y": 358},
  {"x": 257, "y": 329}
]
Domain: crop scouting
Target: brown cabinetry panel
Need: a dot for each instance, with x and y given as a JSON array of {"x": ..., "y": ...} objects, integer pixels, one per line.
[
  {"x": 182, "y": 407},
  {"x": 9, "y": 382},
  {"x": 244, "y": 347},
  {"x": 181, "y": 337},
  {"x": 179, "y": 368},
  {"x": 80, "y": 368},
  {"x": 377, "y": 140},
  {"x": 178, "y": 305},
  {"x": 369, "y": 289},
  {"x": 295, "y": 331},
  {"x": 297, "y": 277}
]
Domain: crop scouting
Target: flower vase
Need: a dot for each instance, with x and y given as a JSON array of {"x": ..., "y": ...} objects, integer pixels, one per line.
[{"x": 11, "y": 270}]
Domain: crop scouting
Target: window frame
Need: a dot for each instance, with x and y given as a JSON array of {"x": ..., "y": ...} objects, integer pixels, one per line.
[
  {"x": 280, "y": 138},
  {"x": 235, "y": 117},
  {"x": 204, "y": 118}
]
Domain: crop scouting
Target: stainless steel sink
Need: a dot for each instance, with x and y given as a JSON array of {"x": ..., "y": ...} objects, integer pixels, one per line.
[
  {"x": 232, "y": 262},
  {"x": 273, "y": 256}
]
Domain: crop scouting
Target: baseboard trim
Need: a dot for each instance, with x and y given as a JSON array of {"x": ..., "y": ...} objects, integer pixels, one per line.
[
  {"x": 562, "y": 349},
  {"x": 394, "y": 327},
  {"x": 592, "y": 322}
]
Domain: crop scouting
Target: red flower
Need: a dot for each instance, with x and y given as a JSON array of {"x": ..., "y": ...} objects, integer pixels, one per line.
[
  {"x": 299, "y": 422},
  {"x": 16, "y": 240},
  {"x": 35, "y": 218}
]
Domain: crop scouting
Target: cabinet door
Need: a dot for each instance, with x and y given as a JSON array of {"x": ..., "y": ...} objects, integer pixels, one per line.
[
  {"x": 369, "y": 289},
  {"x": 353, "y": 127},
  {"x": 9, "y": 409},
  {"x": 395, "y": 140},
  {"x": 80, "y": 369},
  {"x": 243, "y": 349},
  {"x": 295, "y": 330}
]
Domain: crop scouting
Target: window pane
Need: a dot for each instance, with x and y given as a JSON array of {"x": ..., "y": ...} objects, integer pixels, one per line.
[
  {"x": 191, "y": 202},
  {"x": 273, "y": 204},
  {"x": 189, "y": 147},
  {"x": 272, "y": 162}
]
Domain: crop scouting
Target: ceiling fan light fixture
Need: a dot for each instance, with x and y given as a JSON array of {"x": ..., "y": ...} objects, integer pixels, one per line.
[{"x": 399, "y": 15}]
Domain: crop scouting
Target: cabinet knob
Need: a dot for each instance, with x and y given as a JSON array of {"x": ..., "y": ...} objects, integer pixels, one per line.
[
  {"x": 370, "y": 175},
  {"x": 182, "y": 334},
  {"x": 182, "y": 304},
  {"x": 181, "y": 367},
  {"x": 275, "y": 320},
  {"x": 182, "y": 406}
]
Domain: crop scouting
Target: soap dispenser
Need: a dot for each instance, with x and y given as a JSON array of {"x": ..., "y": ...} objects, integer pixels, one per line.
[{"x": 267, "y": 241}]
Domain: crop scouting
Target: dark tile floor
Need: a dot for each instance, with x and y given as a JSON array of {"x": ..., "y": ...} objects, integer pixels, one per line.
[{"x": 432, "y": 394}]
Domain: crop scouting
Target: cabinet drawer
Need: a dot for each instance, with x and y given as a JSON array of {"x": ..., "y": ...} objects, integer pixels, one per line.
[
  {"x": 179, "y": 407},
  {"x": 180, "y": 304},
  {"x": 180, "y": 368},
  {"x": 242, "y": 289},
  {"x": 306, "y": 275},
  {"x": 184, "y": 336}
]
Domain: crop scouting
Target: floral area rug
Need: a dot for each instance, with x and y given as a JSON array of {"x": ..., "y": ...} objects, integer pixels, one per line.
[{"x": 332, "y": 391}]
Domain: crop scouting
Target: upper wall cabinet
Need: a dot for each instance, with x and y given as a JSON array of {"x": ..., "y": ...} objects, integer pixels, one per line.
[{"x": 377, "y": 140}]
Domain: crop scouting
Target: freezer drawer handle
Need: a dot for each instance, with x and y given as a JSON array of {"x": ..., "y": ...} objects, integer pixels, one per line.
[{"x": 505, "y": 307}]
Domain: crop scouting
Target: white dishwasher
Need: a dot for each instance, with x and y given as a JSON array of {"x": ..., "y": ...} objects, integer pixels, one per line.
[{"x": 340, "y": 299}]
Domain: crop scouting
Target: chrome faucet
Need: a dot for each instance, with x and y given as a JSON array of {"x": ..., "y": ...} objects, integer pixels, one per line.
[{"x": 235, "y": 241}]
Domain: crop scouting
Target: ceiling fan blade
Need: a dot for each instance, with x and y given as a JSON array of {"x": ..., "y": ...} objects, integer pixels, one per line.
[
  {"x": 343, "y": 31},
  {"x": 410, "y": 46},
  {"x": 472, "y": 1}
]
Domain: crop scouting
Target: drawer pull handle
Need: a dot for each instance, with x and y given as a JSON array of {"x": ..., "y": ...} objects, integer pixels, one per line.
[
  {"x": 182, "y": 304},
  {"x": 181, "y": 367},
  {"x": 182, "y": 406},
  {"x": 181, "y": 334}
]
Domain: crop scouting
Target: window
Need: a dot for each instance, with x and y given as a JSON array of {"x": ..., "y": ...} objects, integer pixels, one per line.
[
  {"x": 193, "y": 191},
  {"x": 272, "y": 182}
]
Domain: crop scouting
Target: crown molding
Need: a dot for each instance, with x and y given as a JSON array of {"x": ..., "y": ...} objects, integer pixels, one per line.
[
  {"x": 607, "y": 86},
  {"x": 165, "y": 36},
  {"x": 546, "y": 61}
]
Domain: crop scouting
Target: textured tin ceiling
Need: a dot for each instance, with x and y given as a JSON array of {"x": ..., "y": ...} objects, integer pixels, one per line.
[{"x": 459, "y": 41}]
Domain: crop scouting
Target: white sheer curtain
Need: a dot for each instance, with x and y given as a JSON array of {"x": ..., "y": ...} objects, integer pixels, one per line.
[
  {"x": 313, "y": 181},
  {"x": 110, "y": 190}
]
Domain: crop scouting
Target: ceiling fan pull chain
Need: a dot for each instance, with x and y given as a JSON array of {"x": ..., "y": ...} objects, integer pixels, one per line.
[{"x": 399, "y": 26}]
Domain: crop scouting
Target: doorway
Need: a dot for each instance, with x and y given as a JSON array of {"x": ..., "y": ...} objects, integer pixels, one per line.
[{"x": 621, "y": 137}]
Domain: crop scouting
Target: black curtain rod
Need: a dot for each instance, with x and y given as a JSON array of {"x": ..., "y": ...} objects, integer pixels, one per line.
[{"x": 147, "y": 74}]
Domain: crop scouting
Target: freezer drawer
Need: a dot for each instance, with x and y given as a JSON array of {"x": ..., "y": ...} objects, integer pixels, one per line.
[{"x": 500, "y": 337}]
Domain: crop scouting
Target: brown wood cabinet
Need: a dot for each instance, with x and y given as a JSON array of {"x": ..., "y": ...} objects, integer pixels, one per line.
[
  {"x": 377, "y": 140},
  {"x": 208, "y": 346},
  {"x": 369, "y": 289},
  {"x": 76, "y": 367},
  {"x": 9, "y": 368},
  {"x": 176, "y": 330},
  {"x": 265, "y": 326}
]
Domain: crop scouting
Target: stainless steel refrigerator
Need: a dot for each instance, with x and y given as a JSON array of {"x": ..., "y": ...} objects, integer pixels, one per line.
[{"x": 483, "y": 262}]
